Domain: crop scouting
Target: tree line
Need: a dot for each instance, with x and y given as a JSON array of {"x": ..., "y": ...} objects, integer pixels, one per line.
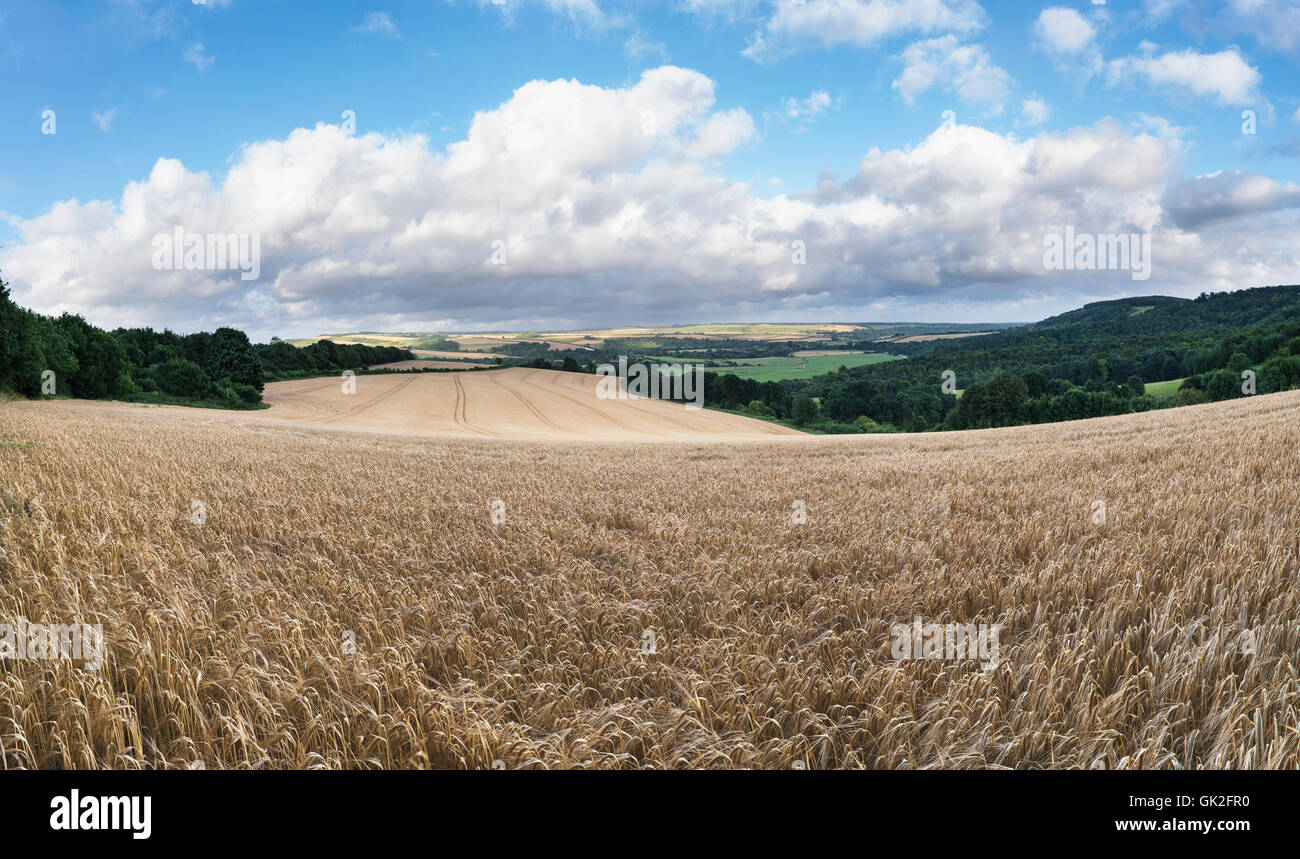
[
  {"x": 219, "y": 368},
  {"x": 1090, "y": 362}
]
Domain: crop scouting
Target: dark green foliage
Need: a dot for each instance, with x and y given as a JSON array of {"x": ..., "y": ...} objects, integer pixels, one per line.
[
  {"x": 86, "y": 361},
  {"x": 180, "y": 377},
  {"x": 229, "y": 356},
  {"x": 1067, "y": 367},
  {"x": 805, "y": 410},
  {"x": 221, "y": 368},
  {"x": 280, "y": 360}
]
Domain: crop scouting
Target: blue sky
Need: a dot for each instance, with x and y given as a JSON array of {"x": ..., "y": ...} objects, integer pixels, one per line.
[{"x": 1115, "y": 117}]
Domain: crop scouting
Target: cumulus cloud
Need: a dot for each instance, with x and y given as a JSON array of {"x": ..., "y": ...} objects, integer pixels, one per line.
[
  {"x": 1034, "y": 111},
  {"x": 828, "y": 23},
  {"x": 611, "y": 211},
  {"x": 1275, "y": 24},
  {"x": 1062, "y": 30},
  {"x": 1070, "y": 40},
  {"x": 1220, "y": 196},
  {"x": 1224, "y": 76},
  {"x": 965, "y": 70},
  {"x": 801, "y": 113},
  {"x": 807, "y": 108}
]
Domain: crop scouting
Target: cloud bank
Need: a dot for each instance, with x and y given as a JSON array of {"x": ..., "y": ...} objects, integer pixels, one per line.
[{"x": 611, "y": 206}]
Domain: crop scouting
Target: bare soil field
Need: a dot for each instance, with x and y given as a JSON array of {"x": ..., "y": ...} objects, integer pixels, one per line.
[
  {"x": 509, "y": 403},
  {"x": 361, "y": 599}
]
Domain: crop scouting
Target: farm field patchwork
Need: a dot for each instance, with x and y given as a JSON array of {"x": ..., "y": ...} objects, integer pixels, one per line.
[
  {"x": 796, "y": 367},
  {"x": 433, "y": 353},
  {"x": 363, "y": 599},
  {"x": 811, "y": 333}
]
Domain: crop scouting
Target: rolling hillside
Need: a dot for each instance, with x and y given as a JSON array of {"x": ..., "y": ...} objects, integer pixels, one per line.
[
  {"x": 513, "y": 403},
  {"x": 354, "y": 599}
]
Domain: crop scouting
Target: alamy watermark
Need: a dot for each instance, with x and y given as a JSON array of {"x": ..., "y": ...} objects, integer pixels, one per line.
[
  {"x": 133, "y": 814},
  {"x": 653, "y": 381},
  {"x": 947, "y": 641},
  {"x": 1103, "y": 252},
  {"x": 209, "y": 252},
  {"x": 77, "y": 642}
]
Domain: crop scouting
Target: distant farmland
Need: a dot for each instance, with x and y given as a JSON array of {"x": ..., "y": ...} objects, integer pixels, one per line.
[
  {"x": 776, "y": 369},
  {"x": 1164, "y": 390}
]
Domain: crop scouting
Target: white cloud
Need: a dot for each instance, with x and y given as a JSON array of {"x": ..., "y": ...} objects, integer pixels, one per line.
[
  {"x": 1159, "y": 10},
  {"x": 195, "y": 54},
  {"x": 962, "y": 69},
  {"x": 1228, "y": 195},
  {"x": 1295, "y": 117},
  {"x": 828, "y": 23},
  {"x": 612, "y": 211},
  {"x": 104, "y": 121},
  {"x": 1062, "y": 30},
  {"x": 1275, "y": 24},
  {"x": 638, "y": 47},
  {"x": 728, "y": 10},
  {"x": 1225, "y": 76},
  {"x": 807, "y": 108},
  {"x": 721, "y": 134},
  {"x": 579, "y": 11},
  {"x": 1070, "y": 40},
  {"x": 378, "y": 24},
  {"x": 1034, "y": 111}
]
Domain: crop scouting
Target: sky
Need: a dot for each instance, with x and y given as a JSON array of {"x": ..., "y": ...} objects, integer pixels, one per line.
[{"x": 562, "y": 164}]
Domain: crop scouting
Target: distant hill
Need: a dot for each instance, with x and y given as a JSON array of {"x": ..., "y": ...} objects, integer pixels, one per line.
[
  {"x": 1088, "y": 362},
  {"x": 1115, "y": 310},
  {"x": 1266, "y": 305}
]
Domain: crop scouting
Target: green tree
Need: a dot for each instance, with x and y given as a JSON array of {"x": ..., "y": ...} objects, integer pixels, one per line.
[
  {"x": 1035, "y": 383},
  {"x": 1222, "y": 385},
  {"x": 805, "y": 410},
  {"x": 181, "y": 377},
  {"x": 102, "y": 369},
  {"x": 1004, "y": 395},
  {"x": 227, "y": 354}
]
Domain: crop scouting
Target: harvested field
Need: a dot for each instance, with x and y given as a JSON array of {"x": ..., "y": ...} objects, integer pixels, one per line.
[
  {"x": 758, "y": 338},
  {"x": 350, "y": 600},
  {"x": 509, "y": 403},
  {"x": 433, "y": 353},
  {"x": 427, "y": 364}
]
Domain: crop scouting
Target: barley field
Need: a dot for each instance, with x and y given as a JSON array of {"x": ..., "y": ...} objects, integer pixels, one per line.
[
  {"x": 359, "y": 599},
  {"x": 506, "y": 404}
]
